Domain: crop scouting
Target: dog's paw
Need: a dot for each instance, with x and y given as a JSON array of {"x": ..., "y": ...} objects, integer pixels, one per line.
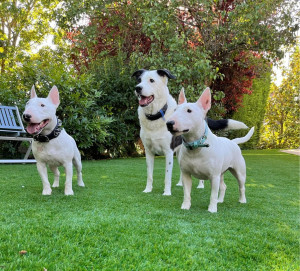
[
  {"x": 179, "y": 183},
  {"x": 69, "y": 192},
  {"x": 242, "y": 201},
  {"x": 147, "y": 190},
  {"x": 186, "y": 206},
  {"x": 55, "y": 184},
  {"x": 47, "y": 191},
  {"x": 201, "y": 184},
  {"x": 168, "y": 193},
  {"x": 212, "y": 208},
  {"x": 81, "y": 183},
  {"x": 220, "y": 200}
]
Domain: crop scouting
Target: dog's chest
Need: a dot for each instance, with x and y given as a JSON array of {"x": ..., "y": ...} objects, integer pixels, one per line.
[
  {"x": 46, "y": 153},
  {"x": 55, "y": 152},
  {"x": 157, "y": 144},
  {"x": 195, "y": 165}
]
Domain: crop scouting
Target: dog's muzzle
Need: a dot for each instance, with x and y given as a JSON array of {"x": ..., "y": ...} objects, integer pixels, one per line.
[
  {"x": 170, "y": 126},
  {"x": 138, "y": 90},
  {"x": 26, "y": 117}
]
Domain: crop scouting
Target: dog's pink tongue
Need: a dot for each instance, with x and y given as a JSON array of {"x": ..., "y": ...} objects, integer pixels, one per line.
[
  {"x": 143, "y": 101},
  {"x": 33, "y": 128}
]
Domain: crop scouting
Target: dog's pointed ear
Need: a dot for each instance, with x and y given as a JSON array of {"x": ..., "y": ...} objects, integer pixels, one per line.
[
  {"x": 54, "y": 96},
  {"x": 182, "y": 98},
  {"x": 137, "y": 74},
  {"x": 205, "y": 100},
  {"x": 33, "y": 93},
  {"x": 165, "y": 72}
]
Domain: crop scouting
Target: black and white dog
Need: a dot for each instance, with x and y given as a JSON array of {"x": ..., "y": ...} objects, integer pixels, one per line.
[{"x": 156, "y": 105}]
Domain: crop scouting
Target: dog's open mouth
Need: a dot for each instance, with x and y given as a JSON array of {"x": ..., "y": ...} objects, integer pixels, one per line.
[
  {"x": 36, "y": 128},
  {"x": 144, "y": 100},
  {"x": 178, "y": 133}
]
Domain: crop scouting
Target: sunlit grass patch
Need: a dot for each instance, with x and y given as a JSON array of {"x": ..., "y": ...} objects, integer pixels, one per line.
[{"x": 111, "y": 225}]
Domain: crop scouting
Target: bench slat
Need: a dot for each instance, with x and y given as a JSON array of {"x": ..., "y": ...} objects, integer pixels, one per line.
[
  {"x": 11, "y": 127},
  {"x": 8, "y": 120}
]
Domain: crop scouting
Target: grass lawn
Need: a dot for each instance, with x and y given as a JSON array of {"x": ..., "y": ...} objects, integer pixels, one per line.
[{"x": 111, "y": 225}]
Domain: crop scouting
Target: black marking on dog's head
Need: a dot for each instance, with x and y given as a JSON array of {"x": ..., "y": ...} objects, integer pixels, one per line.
[
  {"x": 217, "y": 124},
  {"x": 165, "y": 72},
  {"x": 176, "y": 141},
  {"x": 137, "y": 74}
]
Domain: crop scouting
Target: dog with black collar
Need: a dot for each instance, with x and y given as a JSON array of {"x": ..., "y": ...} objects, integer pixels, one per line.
[
  {"x": 156, "y": 105},
  {"x": 52, "y": 145}
]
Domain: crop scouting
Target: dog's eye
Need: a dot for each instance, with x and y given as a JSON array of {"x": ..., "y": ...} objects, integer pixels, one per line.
[
  {"x": 42, "y": 105},
  {"x": 189, "y": 111},
  {"x": 139, "y": 80},
  {"x": 151, "y": 80}
]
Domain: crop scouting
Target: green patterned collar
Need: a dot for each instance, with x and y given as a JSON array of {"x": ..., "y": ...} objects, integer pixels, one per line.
[{"x": 200, "y": 143}]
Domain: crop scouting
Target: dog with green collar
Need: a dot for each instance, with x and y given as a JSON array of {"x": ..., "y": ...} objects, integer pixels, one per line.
[{"x": 204, "y": 155}]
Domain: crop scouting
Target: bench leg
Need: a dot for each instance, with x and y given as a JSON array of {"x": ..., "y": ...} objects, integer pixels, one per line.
[{"x": 28, "y": 151}]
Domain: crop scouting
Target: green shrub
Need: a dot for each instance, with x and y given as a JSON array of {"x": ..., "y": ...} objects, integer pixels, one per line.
[
  {"x": 253, "y": 109},
  {"x": 82, "y": 117}
]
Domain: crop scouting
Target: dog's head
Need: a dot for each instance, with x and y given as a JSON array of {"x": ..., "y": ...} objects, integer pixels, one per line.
[
  {"x": 40, "y": 114},
  {"x": 152, "y": 85},
  {"x": 189, "y": 116}
]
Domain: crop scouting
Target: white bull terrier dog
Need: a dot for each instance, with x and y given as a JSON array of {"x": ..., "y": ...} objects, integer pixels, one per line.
[
  {"x": 52, "y": 145},
  {"x": 156, "y": 105},
  {"x": 204, "y": 155}
]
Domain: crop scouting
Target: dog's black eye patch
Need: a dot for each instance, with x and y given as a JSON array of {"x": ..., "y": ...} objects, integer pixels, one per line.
[
  {"x": 42, "y": 105},
  {"x": 139, "y": 80},
  {"x": 189, "y": 111},
  {"x": 151, "y": 80}
]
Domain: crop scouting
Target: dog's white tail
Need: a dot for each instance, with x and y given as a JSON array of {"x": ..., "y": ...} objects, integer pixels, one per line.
[
  {"x": 244, "y": 139},
  {"x": 235, "y": 125}
]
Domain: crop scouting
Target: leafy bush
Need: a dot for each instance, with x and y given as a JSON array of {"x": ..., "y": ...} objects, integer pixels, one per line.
[
  {"x": 253, "y": 109},
  {"x": 113, "y": 79},
  {"x": 81, "y": 115}
]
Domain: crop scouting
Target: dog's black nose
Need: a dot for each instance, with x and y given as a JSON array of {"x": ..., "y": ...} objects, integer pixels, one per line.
[
  {"x": 138, "y": 90},
  {"x": 26, "y": 117},
  {"x": 170, "y": 125}
]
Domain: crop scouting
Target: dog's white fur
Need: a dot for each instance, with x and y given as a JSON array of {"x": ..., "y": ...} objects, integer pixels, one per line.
[
  {"x": 206, "y": 162},
  {"x": 60, "y": 151},
  {"x": 154, "y": 134}
]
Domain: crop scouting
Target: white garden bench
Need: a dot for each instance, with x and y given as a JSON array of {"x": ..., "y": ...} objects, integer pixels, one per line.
[{"x": 11, "y": 128}]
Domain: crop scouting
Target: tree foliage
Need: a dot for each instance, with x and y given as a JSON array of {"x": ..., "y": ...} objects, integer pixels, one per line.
[
  {"x": 100, "y": 43},
  {"x": 281, "y": 125},
  {"x": 253, "y": 109},
  {"x": 215, "y": 39},
  {"x": 23, "y": 23}
]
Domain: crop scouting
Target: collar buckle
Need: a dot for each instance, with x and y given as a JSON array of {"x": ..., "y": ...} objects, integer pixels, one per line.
[{"x": 160, "y": 114}]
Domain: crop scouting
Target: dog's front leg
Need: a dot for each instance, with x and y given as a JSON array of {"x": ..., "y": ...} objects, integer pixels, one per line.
[
  {"x": 222, "y": 190},
  {"x": 69, "y": 174},
  {"x": 215, "y": 184},
  {"x": 187, "y": 187},
  {"x": 56, "y": 176},
  {"x": 150, "y": 165},
  {"x": 168, "y": 173},
  {"x": 42, "y": 169}
]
